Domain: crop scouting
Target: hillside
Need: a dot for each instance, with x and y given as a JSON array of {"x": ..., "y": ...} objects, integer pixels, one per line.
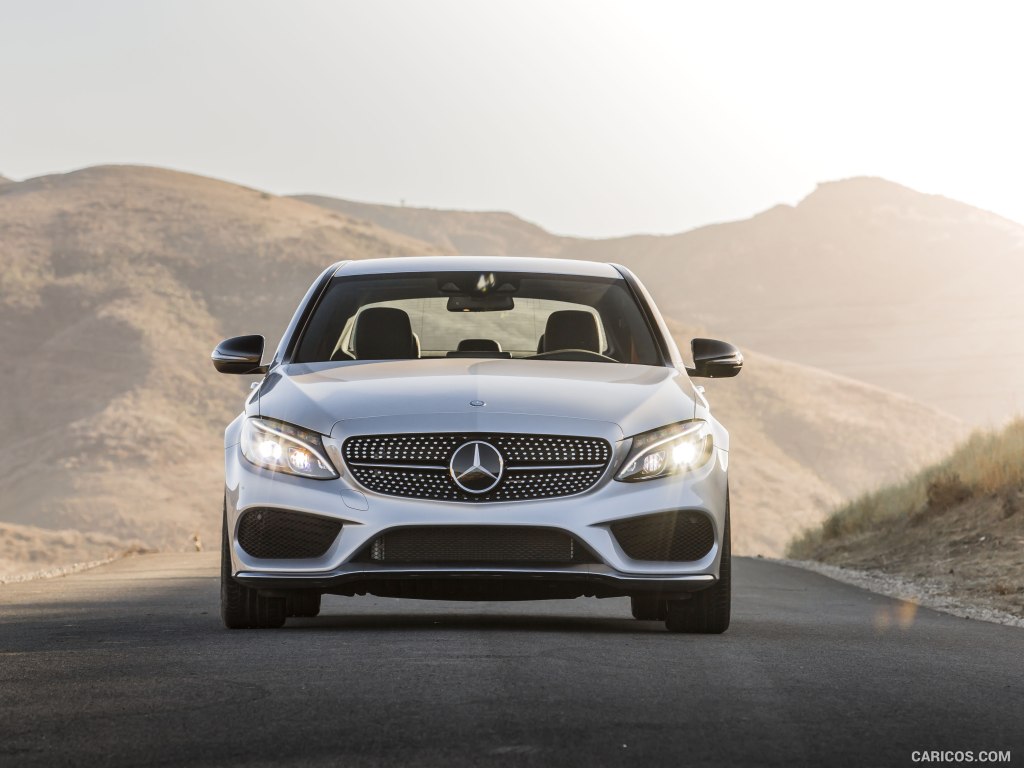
[
  {"x": 804, "y": 440},
  {"x": 116, "y": 282},
  {"x": 864, "y": 278},
  {"x": 957, "y": 525}
]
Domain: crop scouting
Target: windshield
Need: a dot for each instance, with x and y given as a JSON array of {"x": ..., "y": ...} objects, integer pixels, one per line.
[{"x": 469, "y": 314}]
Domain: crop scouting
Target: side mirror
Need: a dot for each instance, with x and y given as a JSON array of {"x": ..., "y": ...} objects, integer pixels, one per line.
[
  {"x": 713, "y": 359},
  {"x": 239, "y": 354}
]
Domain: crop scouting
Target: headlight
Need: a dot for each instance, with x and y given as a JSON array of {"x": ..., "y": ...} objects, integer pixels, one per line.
[
  {"x": 285, "y": 448},
  {"x": 667, "y": 451}
]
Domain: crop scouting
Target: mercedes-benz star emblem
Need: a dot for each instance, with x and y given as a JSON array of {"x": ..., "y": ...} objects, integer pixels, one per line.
[{"x": 476, "y": 467}]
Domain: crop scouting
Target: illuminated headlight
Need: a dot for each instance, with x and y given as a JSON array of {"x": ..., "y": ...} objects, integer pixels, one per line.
[
  {"x": 285, "y": 448},
  {"x": 668, "y": 451}
]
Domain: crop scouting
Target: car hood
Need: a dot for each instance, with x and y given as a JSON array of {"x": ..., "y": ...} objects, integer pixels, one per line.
[{"x": 320, "y": 395}]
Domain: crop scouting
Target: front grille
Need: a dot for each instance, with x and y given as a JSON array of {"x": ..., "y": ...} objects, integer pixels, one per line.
[
  {"x": 681, "y": 536},
  {"x": 496, "y": 545},
  {"x": 535, "y": 466},
  {"x": 283, "y": 534}
]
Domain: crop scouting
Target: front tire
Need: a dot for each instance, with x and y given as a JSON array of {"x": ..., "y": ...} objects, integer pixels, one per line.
[
  {"x": 647, "y": 607},
  {"x": 706, "y": 612},
  {"x": 242, "y": 607},
  {"x": 304, "y": 604}
]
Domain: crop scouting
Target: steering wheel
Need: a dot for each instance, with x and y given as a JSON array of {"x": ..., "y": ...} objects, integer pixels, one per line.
[{"x": 574, "y": 356}]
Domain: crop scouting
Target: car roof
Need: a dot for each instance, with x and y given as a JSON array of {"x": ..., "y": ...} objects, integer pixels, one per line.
[{"x": 475, "y": 264}]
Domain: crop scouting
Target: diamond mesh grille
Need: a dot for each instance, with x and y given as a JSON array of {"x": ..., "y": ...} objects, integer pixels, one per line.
[
  {"x": 542, "y": 484},
  {"x": 283, "y": 534},
  {"x": 536, "y": 466},
  {"x": 424, "y": 449},
  {"x": 544, "y": 449},
  {"x": 681, "y": 536},
  {"x": 424, "y": 484}
]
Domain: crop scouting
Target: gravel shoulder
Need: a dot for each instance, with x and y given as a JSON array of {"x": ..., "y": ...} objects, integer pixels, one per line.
[{"x": 930, "y": 593}]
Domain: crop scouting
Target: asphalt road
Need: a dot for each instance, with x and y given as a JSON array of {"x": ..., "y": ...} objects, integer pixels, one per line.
[{"x": 128, "y": 665}]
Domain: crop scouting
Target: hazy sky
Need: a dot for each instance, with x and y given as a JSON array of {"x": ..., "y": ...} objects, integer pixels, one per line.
[{"x": 593, "y": 118}]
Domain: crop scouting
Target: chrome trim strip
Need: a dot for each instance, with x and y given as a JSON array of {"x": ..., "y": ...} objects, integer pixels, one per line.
[
  {"x": 544, "y": 467},
  {"x": 556, "y": 466},
  {"x": 369, "y": 465},
  {"x": 469, "y": 571}
]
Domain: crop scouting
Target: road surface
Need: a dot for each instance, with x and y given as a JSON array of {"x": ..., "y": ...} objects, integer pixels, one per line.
[{"x": 127, "y": 664}]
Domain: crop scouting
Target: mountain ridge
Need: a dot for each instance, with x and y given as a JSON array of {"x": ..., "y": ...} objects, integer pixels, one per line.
[
  {"x": 858, "y": 278},
  {"x": 117, "y": 281}
]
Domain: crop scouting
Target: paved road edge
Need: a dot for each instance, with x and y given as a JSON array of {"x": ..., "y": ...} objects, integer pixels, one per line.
[{"x": 921, "y": 592}]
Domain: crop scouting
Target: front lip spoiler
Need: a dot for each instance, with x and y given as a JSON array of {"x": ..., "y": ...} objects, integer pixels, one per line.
[{"x": 627, "y": 583}]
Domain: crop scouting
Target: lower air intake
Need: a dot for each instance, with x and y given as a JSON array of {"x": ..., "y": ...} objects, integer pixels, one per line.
[
  {"x": 286, "y": 535},
  {"x": 682, "y": 536},
  {"x": 476, "y": 544}
]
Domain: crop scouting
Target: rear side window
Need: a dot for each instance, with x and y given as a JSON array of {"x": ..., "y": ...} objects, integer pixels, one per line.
[{"x": 471, "y": 314}]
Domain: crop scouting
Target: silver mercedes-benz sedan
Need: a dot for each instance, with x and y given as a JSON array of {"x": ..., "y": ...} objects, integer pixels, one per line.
[{"x": 465, "y": 428}]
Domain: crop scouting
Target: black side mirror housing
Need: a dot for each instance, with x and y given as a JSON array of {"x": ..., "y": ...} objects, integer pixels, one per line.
[
  {"x": 240, "y": 354},
  {"x": 714, "y": 359}
]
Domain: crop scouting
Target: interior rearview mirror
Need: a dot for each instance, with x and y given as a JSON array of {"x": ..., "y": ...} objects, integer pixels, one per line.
[
  {"x": 495, "y": 302},
  {"x": 714, "y": 359},
  {"x": 239, "y": 354}
]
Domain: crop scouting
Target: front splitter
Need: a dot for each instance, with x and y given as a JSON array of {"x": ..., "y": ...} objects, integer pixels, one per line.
[{"x": 608, "y": 583}]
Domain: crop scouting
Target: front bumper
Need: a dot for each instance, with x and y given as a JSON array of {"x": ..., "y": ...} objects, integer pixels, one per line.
[{"x": 587, "y": 517}]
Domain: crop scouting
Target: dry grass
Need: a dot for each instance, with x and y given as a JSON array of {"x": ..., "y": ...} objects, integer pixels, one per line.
[
  {"x": 986, "y": 464},
  {"x": 958, "y": 524}
]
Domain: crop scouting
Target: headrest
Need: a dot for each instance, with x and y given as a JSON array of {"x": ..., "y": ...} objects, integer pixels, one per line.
[
  {"x": 385, "y": 333},
  {"x": 571, "y": 329},
  {"x": 479, "y": 345}
]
